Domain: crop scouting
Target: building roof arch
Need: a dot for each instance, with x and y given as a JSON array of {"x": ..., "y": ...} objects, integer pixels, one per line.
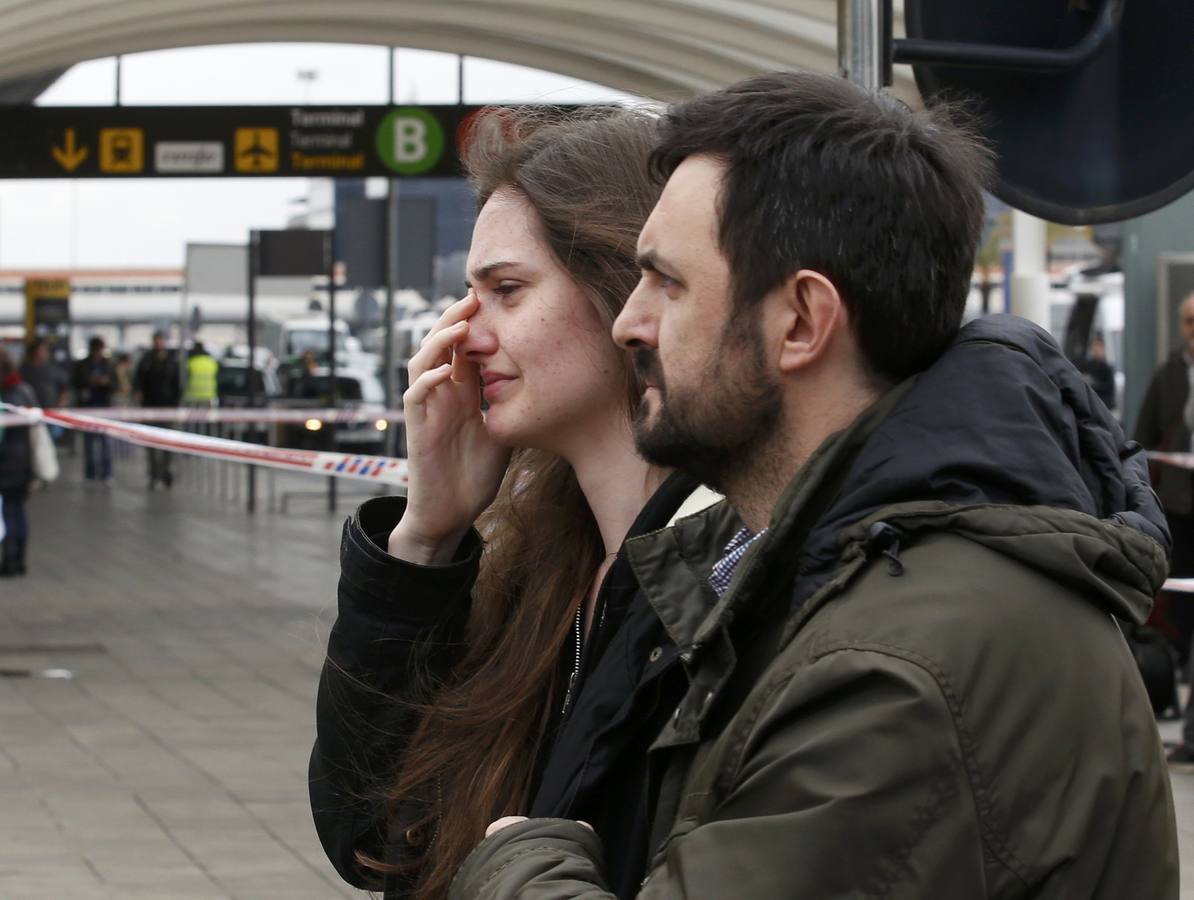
[{"x": 662, "y": 50}]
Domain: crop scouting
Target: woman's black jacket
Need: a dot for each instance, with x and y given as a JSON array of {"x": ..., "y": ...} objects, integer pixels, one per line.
[{"x": 401, "y": 624}]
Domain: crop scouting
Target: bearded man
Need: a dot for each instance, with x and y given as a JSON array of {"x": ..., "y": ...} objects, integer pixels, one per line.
[{"x": 904, "y": 674}]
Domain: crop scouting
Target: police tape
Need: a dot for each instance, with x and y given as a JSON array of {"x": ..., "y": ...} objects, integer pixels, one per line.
[
  {"x": 377, "y": 469},
  {"x": 1181, "y": 460},
  {"x": 219, "y": 415}
]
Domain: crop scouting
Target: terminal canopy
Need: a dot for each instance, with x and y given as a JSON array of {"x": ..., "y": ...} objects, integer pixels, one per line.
[{"x": 664, "y": 49}]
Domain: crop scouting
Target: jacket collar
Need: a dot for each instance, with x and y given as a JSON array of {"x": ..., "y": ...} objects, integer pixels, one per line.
[{"x": 673, "y": 565}]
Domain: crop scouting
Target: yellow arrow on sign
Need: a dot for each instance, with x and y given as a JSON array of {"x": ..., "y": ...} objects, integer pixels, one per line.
[{"x": 69, "y": 157}]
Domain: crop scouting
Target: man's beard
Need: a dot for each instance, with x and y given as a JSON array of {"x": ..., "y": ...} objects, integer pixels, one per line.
[{"x": 716, "y": 427}]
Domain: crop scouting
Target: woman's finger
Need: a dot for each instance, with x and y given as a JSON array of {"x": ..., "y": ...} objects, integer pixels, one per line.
[
  {"x": 421, "y": 388},
  {"x": 436, "y": 351},
  {"x": 457, "y": 312},
  {"x": 463, "y": 371}
]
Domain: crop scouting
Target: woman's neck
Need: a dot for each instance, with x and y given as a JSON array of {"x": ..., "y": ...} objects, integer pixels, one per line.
[{"x": 615, "y": 480}]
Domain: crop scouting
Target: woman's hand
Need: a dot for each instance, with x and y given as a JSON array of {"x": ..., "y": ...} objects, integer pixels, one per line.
[{"x": 455, "y": 467}]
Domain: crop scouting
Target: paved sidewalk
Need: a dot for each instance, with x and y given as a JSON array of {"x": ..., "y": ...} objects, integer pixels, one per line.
[{"x": 173, "y": 764}]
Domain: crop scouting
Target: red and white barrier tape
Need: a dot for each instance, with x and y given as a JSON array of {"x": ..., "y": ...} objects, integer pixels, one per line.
[
  {"x": 377, "y": 469},
  {"x": 187, "y": 415},
  {"x": 1181, "y": 460}
]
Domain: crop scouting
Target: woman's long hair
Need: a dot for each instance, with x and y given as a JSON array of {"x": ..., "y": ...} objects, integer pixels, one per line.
[{"x": 472, "y": 756}]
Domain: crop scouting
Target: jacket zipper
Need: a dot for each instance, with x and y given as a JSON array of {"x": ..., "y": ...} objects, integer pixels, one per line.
[{"x": 576, "y": 663}]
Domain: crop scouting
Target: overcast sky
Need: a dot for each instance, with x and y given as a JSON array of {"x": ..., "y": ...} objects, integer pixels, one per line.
[{"x": 147, "y": 223}]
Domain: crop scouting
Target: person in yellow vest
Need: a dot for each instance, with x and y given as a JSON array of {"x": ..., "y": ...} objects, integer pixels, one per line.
[{"x": 202, "y": 370}]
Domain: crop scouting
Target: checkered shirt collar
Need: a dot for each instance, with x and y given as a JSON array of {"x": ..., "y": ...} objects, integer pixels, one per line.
[{"x": 724, "y": 568}]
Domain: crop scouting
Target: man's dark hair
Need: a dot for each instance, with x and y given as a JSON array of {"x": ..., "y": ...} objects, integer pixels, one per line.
[{"x": 885, "y": 202}]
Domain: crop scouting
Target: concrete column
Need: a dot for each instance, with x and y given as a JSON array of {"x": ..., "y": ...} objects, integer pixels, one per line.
[{"x": 1030, "y": 278}]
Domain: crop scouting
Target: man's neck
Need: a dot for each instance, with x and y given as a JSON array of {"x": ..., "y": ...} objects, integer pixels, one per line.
[
  {"x": 756, "y": 484},
  {"x": 754, "y": 487}
]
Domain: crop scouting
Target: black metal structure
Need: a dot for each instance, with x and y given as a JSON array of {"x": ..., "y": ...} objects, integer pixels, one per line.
[{"x": 1086, "y": 101}]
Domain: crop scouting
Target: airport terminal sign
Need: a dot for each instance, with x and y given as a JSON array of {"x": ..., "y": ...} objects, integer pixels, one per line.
[{"x": 251, "y": 141}]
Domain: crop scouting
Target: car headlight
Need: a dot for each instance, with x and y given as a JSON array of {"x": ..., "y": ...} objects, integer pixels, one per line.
[{"x": 313, "y": 425}]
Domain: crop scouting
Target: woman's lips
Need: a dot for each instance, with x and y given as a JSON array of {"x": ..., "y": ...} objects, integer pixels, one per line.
[{"x": 494, "y": 384}]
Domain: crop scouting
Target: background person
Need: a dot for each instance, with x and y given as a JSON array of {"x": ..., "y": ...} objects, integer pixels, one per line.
[
  {"x": 514, "y": 664},
  {"x": 202, "y": 377},
  {"x": 1166, "y": 422},
  {"x": 156, "y": 385},
  {"x": 94, "y": 379},
  {"x": 122, "y": 397},
  {"x": 46, "y": 377},
  {"x": 52, "y": 385},
  {"x": 16, "y": 471},
  {"x": 1099, "y": 373},
  {"x": 903, "y": 675}
]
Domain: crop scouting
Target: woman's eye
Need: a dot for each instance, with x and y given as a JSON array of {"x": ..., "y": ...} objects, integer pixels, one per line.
[{"x": 505, "y": 289}]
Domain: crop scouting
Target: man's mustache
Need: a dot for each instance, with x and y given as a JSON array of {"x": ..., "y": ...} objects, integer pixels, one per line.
[{"x": 647, "y": 367}]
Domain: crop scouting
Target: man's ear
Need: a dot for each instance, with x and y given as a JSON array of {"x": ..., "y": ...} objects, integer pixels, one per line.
[{"x": 813, "y": 314}]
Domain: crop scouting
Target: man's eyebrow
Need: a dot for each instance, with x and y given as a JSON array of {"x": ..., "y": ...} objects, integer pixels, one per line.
[{"x": 648, "y": 261}]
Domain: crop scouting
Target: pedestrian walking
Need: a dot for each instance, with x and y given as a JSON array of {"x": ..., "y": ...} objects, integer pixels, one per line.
[
  {"x": 122, "y": 397},
  {"x": 202, "y": 377},
  {"x": 902, "y": 675},
  {"x": 156, "y": 386},
  {"x": 49, "y": 382},
  {"x": 16, "y": 471},
  {"x": 94, "y": 380},
  {"x": 1166, "y": 422}
]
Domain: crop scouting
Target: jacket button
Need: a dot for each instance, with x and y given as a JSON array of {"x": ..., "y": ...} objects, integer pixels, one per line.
[
  {"x": 414, "y": 836},
  {"x": 655, "y": 654}
]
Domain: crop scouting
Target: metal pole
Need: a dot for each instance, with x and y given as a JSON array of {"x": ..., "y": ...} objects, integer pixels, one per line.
[
  {"x": 860, "y": 50},
  {"x": 393, "y": 397},
  {"x": 330, "y": 259},
  {"x": 117, "y": 81},
  {"x": 390, "y": 81},
  {"x": 250, "y": 385},
  {"x": 390, "y": 235}
]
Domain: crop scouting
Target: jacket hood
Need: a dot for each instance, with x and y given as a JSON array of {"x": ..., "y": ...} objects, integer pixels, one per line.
[{"x": 1004, "y": 441}]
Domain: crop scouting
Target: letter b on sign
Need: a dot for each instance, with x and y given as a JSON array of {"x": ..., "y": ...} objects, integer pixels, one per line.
[{"x": 410, "y": 140}]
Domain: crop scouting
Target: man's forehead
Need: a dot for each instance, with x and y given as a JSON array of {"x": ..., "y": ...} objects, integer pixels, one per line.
[
  {"x": 688, "y": 201},
  {"x": 696, "y": 182}
]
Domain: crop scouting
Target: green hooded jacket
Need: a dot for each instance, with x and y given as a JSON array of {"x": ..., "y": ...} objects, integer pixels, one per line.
[{"x": 915, "y": 686}]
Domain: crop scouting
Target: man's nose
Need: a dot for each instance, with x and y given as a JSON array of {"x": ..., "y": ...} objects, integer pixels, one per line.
[{"x": 635, "y": 326}]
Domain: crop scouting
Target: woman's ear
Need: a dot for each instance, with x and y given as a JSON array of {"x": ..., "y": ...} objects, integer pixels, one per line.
[{"x": 813, "y": 314}]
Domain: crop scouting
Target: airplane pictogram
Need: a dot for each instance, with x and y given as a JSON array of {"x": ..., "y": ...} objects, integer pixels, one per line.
[{"x": 256, "y": 150}]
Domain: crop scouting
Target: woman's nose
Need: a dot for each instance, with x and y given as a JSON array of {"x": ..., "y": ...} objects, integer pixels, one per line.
[{"x": 481, "y": 340}]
